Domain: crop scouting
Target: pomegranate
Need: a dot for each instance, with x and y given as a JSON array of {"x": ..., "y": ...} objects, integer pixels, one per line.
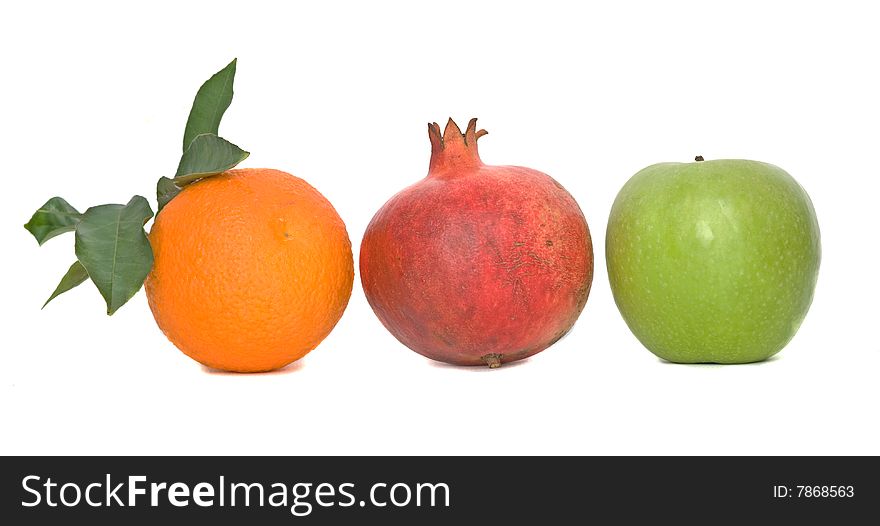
[{"x": 477, "y": 264}]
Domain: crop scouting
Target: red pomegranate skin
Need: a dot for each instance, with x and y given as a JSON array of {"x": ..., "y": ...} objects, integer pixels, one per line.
[{"x": 477, "y": 264}]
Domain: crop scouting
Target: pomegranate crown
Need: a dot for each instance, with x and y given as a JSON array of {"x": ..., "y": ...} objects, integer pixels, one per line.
[{"x": 452, "y": 147}]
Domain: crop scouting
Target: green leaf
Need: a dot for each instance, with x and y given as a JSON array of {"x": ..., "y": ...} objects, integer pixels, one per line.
[
  {"x": 53, "y": 218},
  {"x": 76, "y": 274},
  {"x": 207, "y": 155},
  {"x": 112, "y": 246},
  {"x": 210, "y": 103},
  {"x": 166, "y": 190}
]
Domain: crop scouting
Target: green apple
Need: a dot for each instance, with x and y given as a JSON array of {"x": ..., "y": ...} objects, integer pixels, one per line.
[{"x": 713, "y": 261}]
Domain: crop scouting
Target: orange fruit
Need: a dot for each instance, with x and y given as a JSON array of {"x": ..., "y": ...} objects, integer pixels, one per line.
[{"x": 252, "y": 269}]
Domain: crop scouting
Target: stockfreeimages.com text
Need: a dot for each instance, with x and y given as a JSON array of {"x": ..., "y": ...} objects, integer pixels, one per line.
[{"x": 301, "y": 498}]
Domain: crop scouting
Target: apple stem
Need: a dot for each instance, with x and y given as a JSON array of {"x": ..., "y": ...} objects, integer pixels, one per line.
[{"x": 698, "y": 158}]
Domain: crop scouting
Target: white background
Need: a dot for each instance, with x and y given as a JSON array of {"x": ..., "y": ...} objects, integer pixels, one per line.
[{"x": 93, "y": 101}]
